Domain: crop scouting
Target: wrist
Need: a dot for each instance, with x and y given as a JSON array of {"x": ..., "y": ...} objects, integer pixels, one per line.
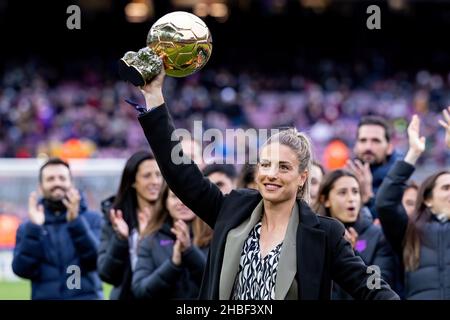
[
  {"x": 37, "y": 223},
  {"x": 121, "y": 236},
  {"x": 154, "y": 100},
  {"x": 70, "y": 217},
  {"x": 367, "y": 199},
  {"x": 186, "y": 248},
  {"x": 176, "y": 261},
  {"x": 412, "y": 156},
  {"x": 367, "y": 194}
]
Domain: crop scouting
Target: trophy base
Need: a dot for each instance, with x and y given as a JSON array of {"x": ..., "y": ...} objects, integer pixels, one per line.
[{"x": 130, "y": 73}]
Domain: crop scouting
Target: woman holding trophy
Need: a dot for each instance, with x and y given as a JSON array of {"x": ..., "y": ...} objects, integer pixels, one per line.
[{"x": 267, "y": 243}]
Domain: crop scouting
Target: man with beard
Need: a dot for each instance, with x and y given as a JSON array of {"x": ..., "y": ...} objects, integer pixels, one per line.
[
  {"x": 374, "y": 157},
  {"x": 57, "y": 248}
]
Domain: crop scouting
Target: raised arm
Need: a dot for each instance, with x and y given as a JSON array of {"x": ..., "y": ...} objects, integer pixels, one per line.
[
  {"x": 446, "y": 125},
  {"x": 392, "y": 214},
  {"x": 184, "y": 179}
]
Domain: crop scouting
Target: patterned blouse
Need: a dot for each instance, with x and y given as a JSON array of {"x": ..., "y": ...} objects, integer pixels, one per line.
[{"x": 256, "y": 276}]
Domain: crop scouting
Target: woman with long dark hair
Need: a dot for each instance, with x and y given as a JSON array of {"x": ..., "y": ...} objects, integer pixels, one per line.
[
  {"x": 126, "y": 216},
  {"x": 422, "y": 240},
  {"x": 267, "y": 243},
  {"x": 340, "y": 197},
  {"x": 172, "y": 253}
]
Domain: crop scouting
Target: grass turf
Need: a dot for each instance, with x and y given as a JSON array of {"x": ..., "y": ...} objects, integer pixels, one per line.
[{"x": 21, "y": 290}]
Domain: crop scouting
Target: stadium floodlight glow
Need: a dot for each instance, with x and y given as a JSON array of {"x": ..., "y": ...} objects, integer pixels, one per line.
[
  {"x": 217, "y": 9},
  {"x": 315, "y": 4},
  {"x": 138, "y": 11},
  {"x": 397, "y": 5},
  {"x": 201, "y": 9},
  {"x": 184, "y": 3}
]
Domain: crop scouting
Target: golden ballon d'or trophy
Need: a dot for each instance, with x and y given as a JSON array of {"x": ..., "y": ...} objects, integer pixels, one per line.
[{"x": 179, "y": 41}]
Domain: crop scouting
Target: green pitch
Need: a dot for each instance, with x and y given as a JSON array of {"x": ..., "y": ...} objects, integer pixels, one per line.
[{"x": 21, "y": 290}]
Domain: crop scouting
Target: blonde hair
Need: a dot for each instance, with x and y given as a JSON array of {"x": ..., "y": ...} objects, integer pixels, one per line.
[{"x": 299, "y": 143}]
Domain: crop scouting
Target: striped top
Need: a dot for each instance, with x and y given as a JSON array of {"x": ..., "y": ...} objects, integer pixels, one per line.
[{"x": 256, "y": 276}]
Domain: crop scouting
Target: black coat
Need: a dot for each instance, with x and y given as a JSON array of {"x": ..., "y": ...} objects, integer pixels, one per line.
[
  {"x": 431, "y": 280},
  {"x": 379, "y": 172},
  {"x": 44, "y": 254},
  {"x": 323, "y": 254},
  {"x": 156, "y": 277},
  {"x": 373, "y": 248},
  {"x": 113, "y": 263}
]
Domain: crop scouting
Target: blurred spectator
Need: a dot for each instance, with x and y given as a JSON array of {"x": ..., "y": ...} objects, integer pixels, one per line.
[
  {"x": 421, "y": 240},
  {"x": 373, "y": 147},
  {"x": 57, "y": 248},
  {"x": 39, "y": 110},
  {"x": 317, "y": 173},
  {"x": 222, "y": 175},
  {"x": 409, "y": 197},
  {"x": 126, "y": 216},
  {"x": 247, "y": 177},
  {"x": 172, "y": 254},
  {"x": 340, "y": 197}
]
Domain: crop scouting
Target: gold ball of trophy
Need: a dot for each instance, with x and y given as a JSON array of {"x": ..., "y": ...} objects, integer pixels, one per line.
[{"x": 181, "y": 39}]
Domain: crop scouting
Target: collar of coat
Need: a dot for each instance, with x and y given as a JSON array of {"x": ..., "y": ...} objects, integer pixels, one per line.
[
  {"x": 286, "y": 269},
  {"x": 302, "y": 234}
]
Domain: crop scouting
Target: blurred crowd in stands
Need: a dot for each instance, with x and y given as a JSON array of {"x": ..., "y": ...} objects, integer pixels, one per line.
[{"x": 39, "y": 113}]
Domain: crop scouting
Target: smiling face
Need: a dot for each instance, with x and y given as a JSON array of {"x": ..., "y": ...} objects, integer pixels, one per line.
[
  {"x": 344, "y": 199},
  {"x": 56, "y": 181},
  {"x": 148, "y": 181},
  {"x": 278, "y": 177},
  {"x": 177, "y": 209}
]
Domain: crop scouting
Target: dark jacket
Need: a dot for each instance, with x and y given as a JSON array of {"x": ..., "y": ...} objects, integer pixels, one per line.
[
  {"x": 45, "y": 253},
  {"x": 155, "y": 275},
  {"x": 374, "y": 250},
  {"x": 431, "y": 280},
  {"x": 379, "y": 172},
  {"x": 322, "y": 254},
  {"x": 114, "y": 265}
]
